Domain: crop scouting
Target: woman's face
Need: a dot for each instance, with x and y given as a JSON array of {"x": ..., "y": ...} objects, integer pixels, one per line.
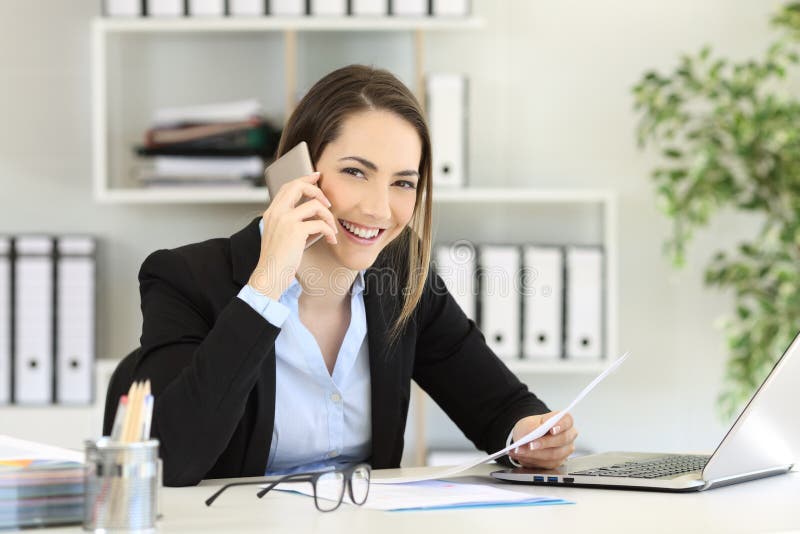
[{"x": 369, "y": 173}]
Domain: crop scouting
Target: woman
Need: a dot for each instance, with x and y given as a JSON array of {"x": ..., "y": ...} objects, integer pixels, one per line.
[{"x": 266, "y": 357}]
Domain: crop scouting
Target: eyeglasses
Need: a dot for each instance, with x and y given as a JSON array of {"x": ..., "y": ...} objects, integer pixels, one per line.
[{"x": 328, "y": 486}]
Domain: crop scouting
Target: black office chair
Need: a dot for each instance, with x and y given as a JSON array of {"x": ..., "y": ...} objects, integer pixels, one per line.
[{"x": 118, "y": 385}]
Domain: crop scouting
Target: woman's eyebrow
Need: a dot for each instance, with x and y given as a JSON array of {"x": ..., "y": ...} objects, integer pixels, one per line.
[{"x": 371, "y": 166}]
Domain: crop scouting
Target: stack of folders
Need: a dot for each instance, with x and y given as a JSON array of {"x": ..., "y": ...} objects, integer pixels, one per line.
[
  {"x": 37, "y": 493},
  {"x": 39, "y": 485},
  {"x": 531, "y": 302},
  {"x": 286, "y": 8},
  {"x": 47, "y": 319},
  {"x": 223, "y": 144}
]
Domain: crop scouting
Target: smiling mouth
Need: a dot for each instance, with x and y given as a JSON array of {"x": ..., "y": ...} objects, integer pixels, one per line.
[{"x": 361, "y": 233}]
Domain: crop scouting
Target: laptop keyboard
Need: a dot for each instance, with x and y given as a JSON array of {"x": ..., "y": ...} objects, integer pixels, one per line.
[{"x": 654, "y": 468}]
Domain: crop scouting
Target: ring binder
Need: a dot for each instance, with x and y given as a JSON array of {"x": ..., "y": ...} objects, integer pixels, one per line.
[
  {"x": 456, "y": 265},
  {"x": 447, "y": 112},
  {"x": 543, "y": 304},
  {"x": 75, "y": 319},
  {"x": 33, "y": 322},
  {"x": 500, "y": 299},
  {"x": 5, "y": 320},
  {"x": 584, "y": 324}
]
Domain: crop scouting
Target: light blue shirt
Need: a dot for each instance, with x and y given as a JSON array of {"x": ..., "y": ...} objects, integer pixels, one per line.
[{"x": 321, "y": 419}]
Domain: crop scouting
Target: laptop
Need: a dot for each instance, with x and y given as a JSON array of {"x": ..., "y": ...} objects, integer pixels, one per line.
[{"x": 763, "y": 441}]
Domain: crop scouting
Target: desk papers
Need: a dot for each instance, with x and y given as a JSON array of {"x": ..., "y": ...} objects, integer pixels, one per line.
[
  {"x": 435, "y": 495},
  {"x": 538, "y": 432}
]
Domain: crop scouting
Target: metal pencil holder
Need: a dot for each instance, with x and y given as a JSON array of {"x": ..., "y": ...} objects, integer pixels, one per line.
[{"x": 122, "y": 481}]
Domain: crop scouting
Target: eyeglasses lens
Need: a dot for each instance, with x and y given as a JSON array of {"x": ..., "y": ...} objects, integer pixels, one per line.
[
  {"x": 330, "y": 487},
  {"x": 360, "y": 485}
]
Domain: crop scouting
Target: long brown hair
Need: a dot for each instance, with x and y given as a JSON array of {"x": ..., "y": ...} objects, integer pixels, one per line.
[{"x": 317, "y": 120}]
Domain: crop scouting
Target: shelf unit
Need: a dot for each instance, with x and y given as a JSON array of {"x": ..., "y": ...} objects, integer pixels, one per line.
[{"x": 104, "y": 28}]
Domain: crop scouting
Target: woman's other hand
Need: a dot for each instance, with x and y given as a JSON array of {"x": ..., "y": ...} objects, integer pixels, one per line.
[{"x": 548, "y": 451}]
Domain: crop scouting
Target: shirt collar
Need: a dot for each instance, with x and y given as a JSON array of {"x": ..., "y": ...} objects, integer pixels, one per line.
[{"x": 295, "y": 288}]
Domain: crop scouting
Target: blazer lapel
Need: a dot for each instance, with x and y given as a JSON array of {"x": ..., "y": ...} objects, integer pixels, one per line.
[
  {"x": 245, "y": 249},
  {"x": 384, "y": 375}
]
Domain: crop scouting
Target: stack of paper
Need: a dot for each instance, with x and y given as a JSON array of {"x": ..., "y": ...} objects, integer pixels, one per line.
[
  {"x": 225, "y": 144},
  {"x": 39, "y": 485}
]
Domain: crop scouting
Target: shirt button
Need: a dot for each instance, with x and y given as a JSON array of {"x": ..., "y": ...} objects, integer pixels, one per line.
[{"x": 335, "y": 397}]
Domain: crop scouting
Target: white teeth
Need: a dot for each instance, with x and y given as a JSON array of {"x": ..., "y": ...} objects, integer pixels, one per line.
[{"x": 366, "y": 234}]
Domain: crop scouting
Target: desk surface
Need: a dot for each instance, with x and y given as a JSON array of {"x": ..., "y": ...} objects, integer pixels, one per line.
[{"x": 767, "y": 505}]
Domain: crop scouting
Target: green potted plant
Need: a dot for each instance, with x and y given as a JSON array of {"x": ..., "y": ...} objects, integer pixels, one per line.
[{"x": 729, "y": 137}]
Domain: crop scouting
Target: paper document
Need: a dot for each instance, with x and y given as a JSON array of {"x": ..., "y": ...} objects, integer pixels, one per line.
[
  {"x": 435, "y": 495},
  {"x": 534, "y": 434},
  {"x": 12, "y": 449}
]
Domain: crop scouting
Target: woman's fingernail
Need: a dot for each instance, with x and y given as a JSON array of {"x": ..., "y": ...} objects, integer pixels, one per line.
[
  {"x": 534, "y": 445},
  {"x": 556, "y": 430},
  {"x": 516, "y": 451}
]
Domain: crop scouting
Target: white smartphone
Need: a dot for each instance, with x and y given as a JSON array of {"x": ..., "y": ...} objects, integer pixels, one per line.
[{"x": 293, "y": 164}]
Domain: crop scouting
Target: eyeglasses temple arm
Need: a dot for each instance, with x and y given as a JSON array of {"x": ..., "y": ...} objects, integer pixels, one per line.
[
  {"x": 265, "y": 490},
  {"x": 217, "y": 493},
  {"x": 299, "y": 477}
]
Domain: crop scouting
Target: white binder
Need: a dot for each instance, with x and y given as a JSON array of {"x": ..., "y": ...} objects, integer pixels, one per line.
[
  {"x": 122, "y": 8},
  {"x": 410, "y": 8},
  {"x": 75, "y": 319},
  {"x": 456, "y": 265},
  {"x": 328, "y": 8},
  {"x": 584, "y": 324},
  {"x": 450, "y": 8},
  {"x": 164, "y": 8},
  {"x": 33, "y": 320},
  {"x": 5, "y": 320},
  {"x": 206, "y": 8},
  {"x": 287, "y": 7},
  {"x": 446, "y": 107},
  {"x": 542, "y": 302},
  {"x": 246, "y": 8},
  {"x": 370, "y": 8},
  {"x": 500, "y": 299}
]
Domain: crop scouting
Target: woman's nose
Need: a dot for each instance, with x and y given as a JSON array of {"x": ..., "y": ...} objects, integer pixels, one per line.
[{"x": 376, "y": 204}]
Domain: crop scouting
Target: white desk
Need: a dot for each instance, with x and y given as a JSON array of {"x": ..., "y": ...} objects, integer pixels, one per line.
[{"x": 767, "y": 505}]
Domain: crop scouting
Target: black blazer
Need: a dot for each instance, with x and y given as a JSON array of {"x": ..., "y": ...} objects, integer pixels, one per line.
[{"x": 211, "y": 360}]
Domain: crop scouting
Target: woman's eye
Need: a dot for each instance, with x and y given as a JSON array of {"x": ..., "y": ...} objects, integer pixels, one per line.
[
  {"x": 405, "y": 184},
  {"x": 353, "y": 171}
]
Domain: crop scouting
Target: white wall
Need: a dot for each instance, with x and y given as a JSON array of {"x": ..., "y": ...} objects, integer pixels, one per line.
[{"x": 551, "y": 107}]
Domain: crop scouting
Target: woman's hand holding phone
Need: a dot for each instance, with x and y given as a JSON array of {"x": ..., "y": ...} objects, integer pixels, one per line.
[{"x": 287, "y": 226}]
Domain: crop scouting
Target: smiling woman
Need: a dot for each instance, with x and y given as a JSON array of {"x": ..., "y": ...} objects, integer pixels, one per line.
[{"x": 267, "y": 357}]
